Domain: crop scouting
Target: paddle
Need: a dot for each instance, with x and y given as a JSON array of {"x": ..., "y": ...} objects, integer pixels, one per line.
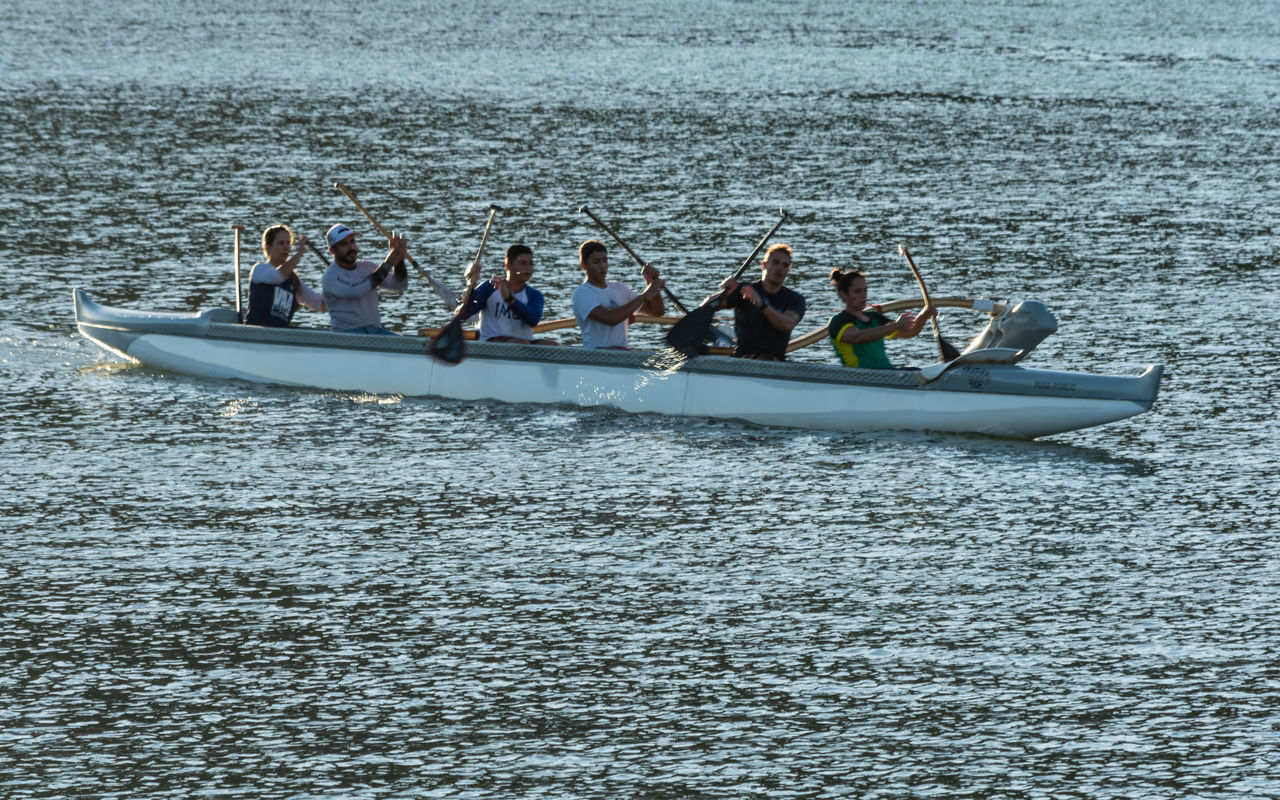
[
  {"x": 448, "y": 345},
  {"x": 721, "y": 336},
  {"x": 443, "y": 292},
  {"x": 319, "y": 254},
  {"x": 239, "y": 229},
  {"x": 945, "y": 348},
  {"x": 687, "y": 335}
]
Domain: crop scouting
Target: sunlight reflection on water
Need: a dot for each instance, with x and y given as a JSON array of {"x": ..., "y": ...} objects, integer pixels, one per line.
[{"x": 221, "y": 588}]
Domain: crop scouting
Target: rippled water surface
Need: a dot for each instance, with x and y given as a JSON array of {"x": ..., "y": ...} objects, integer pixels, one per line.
[{"x": 212, "y": 589}]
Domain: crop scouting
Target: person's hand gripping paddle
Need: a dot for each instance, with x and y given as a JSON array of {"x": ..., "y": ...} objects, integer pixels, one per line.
[{"x": 449, "y": 345}]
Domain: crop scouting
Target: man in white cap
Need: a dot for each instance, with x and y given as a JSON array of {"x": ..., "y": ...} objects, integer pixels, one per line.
[{"x": 351, "y": 287}]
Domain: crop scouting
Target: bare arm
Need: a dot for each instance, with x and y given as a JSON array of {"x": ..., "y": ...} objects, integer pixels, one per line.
[
  {"x": 613, "y": 316},
  {"x": 649, "y": 301},
  {"x": 783, "y": 321},
  {"x": 904, "y": 327},
  {"x": 653, "y": 306},
  {"x": 286, "y": 269},
  {"x": 393, "y": 264}
]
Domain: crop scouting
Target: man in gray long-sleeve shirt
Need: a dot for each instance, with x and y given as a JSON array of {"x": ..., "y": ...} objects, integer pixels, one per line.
[{"x": 351, "y": 287}]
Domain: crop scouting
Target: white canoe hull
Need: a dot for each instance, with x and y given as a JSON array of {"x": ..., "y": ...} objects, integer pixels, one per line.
[{"x": 990, "y": 399}]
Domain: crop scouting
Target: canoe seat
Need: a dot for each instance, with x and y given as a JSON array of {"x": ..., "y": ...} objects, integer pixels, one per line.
[{"x": 226, "y": 316}]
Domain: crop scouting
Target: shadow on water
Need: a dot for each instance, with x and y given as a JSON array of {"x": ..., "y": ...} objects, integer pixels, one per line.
[{"x": 609, "y": 421}]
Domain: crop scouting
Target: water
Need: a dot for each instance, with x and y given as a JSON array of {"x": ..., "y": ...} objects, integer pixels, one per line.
[{"x": 214, "y": 589}]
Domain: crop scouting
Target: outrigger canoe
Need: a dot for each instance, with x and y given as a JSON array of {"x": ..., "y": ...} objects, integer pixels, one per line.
[{"x": 985, "y": 391}]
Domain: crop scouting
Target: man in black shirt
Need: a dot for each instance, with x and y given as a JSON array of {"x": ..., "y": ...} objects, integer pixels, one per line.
[{"x": 765, "y": 312}]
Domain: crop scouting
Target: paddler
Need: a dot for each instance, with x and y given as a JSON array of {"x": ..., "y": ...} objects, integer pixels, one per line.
[
  {"x": 275, "y": 290},
  {"x": 764, "y": 311},
  {"x": 605, "y": 308},
  {"x": 858, "y": 333},
  {"x": 351, "y": 286},
  {"x": 508, "y": 306}
]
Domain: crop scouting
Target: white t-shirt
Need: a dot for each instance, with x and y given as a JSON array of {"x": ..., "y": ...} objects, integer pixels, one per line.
[{"x": 594, "y": 333}]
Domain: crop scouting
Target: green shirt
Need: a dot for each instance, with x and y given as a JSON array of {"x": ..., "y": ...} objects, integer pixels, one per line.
[{"x": 869, "y": 355}]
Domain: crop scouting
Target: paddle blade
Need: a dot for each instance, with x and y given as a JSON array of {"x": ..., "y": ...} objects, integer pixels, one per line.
[
  {"x": 947, "y": 349},
  {"x": 448, "y": 345},
  {"x": 688, "y": 336}
]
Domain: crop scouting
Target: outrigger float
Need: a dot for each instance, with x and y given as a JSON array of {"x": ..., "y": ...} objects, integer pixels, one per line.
[{"x": 984, "y": 391}]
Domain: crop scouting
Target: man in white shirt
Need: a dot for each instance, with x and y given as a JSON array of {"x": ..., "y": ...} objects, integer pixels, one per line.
[
  {"x": 604, "y": 308},
  {"x": 351, "y": 287}
]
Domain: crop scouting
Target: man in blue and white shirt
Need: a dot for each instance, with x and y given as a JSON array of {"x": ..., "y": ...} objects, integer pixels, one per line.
[{"x": 508, "y": 306}]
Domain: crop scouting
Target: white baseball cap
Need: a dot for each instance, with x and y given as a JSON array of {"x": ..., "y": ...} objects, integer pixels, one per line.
[{"x": 337, "y": 233}]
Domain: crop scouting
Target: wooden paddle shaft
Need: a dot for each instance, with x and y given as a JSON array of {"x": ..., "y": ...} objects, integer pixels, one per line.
[
  {"x": 670, "y": 295},
  {"x": 611, "y": 232},
  {"x": 471, "y": 282},
  {"x": 902, "y": 248},
  {"x": 924, "y": 293},
  {"x": 441, "y": 291},
  {"x": 485, "y": 236},
  {"x": 319, "y": 254},
  {"x": 351, "y": 196},
  {"x": 239, "y": 229}
]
